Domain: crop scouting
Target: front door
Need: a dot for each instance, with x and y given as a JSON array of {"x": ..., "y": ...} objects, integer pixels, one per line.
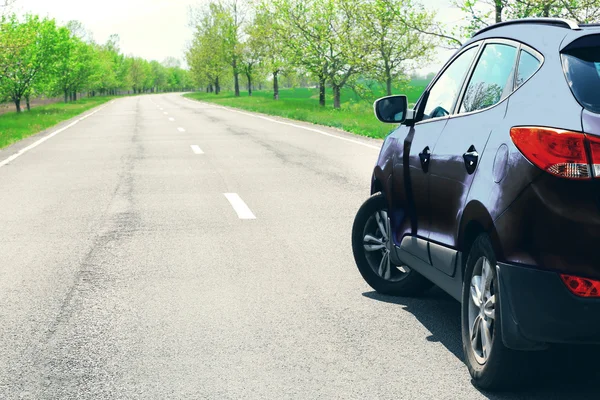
[
  {"x": 457, "y": 153},
  {"x": 413, "y": 170}
]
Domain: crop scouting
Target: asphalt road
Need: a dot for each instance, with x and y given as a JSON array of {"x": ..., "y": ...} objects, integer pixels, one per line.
[{"x": 126, "y": 271}]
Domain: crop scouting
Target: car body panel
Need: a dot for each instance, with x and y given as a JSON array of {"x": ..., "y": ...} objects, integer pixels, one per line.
[{"x": 540, "y": 225}]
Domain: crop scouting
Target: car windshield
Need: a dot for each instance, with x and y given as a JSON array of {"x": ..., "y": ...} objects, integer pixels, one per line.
[{"x": 582, "y": 69}]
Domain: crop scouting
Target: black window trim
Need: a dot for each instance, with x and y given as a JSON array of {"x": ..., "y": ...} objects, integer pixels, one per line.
[
  {"x": 461, "y": 97},
  {"x": 535, "y": 54},
  {"x": 439, "y": 74},
  {"x": 519, "y": 46},
  {"x": 481, "y": 44}
]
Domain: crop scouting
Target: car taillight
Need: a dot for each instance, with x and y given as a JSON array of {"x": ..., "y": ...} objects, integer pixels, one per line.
[
  {"x": 582, "y": 287},
  {"x": 559, "y": 152}
]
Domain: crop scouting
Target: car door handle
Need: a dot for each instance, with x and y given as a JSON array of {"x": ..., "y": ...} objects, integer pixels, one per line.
[
  {"x": 425, "y": 156},
  {"x": 471, "y": 158}
]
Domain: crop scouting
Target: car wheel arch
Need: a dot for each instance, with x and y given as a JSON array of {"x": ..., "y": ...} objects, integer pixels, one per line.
[{"x": 477, "y": 220}]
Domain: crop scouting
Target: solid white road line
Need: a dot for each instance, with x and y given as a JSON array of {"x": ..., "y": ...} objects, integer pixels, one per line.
[
  {"x": 166, "y": 113},
  {"x": 290, "y": 124},
  {"x": 196, "y": 149},
  {"x": 42, "y": 140},
  {"x": 181, "y": 129},
  {"x": 239, "y": 206},
  {"x": 171, "y": 119}
]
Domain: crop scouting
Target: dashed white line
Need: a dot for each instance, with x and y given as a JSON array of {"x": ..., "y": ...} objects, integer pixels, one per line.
[
  {"x": 289, "y": 124},
  {"x": 242, "y": 210},
  {"x": 196, "y": 149},
  {"x": 171, "y": 119},
  {"x": 181, "y": 129},
  {"x": 42, "y": 140}
]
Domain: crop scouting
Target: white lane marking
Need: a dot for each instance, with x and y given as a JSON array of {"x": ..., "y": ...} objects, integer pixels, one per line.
[
  {"x": 171, "y": 119},
  {"x": 181, "y": 129},
  {"x": 289, "y": 124},
  {"x": 242, "y": 210},
  {"x": 42, "y": 140},
  {"x": 166, "y": 113},
  {"x": 196, "y": 149}
]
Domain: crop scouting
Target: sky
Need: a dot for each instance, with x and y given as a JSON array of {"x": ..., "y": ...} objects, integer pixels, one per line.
[{"x": 157, "y": 29}]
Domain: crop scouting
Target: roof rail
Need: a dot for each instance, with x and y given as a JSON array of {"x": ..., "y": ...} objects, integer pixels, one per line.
[{"x": 561, "y": 22}]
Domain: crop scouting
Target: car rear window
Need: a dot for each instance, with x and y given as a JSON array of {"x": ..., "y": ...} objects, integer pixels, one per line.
[{"x": 582, "y": 69}]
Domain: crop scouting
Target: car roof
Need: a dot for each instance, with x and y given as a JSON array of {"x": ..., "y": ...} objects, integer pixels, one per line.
[{"x": 543, "y": 34}]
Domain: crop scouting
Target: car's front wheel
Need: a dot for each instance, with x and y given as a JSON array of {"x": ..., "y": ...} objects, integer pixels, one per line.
[
  {"x": 372, "y": 244},
  {"x": 491, "y": 364}
]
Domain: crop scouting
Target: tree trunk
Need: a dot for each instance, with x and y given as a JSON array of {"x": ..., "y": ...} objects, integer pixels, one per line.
[
  {"x": 217, "y": 86},
  {"x": 276, "y": 85},
  {"x": 337, "y": 103},
  {"x": 75, "y": 96},
  {"x": 499, "y": 8},
  {"x": 236, "y": 81},
  {"x": 236, "y": 78},
  {"x": 322, "y": 91},
  {"x": 18, "y": 104},
  {"x": 249, "y": 84},
  {"x": 27, "y": 102},
  {"x": 66, "y": 96},
  {"x": 388, "y": 83},
  {"x": 546, "y": 10}
]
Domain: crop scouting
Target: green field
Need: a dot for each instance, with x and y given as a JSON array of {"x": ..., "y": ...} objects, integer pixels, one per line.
[
  {"x": 14, "y": 127},
  {"x": 356, "y": 114}
]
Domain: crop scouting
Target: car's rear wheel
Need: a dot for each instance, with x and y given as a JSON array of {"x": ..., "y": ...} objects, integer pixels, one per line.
[
  {"x": 372, "y": 244},
  {"x": 491, "y": 364}
]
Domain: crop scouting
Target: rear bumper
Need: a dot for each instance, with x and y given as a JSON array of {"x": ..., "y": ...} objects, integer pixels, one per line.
[{"x": 538, "y": 309}]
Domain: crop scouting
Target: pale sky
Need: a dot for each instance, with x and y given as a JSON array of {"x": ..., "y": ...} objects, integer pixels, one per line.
[{"x": 156, "y": 29}]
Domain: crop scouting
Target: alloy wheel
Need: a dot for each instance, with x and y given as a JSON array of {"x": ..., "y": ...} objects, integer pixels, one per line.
[
  {"x": 378, "y": 243},
  {"x": 482, "y": 310}
]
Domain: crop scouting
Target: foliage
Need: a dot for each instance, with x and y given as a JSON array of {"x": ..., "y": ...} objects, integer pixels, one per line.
[
  {"x": 334, "y": 42},
  {"x": 485, "y": 12},
  {"x": 39, "y": 58}
]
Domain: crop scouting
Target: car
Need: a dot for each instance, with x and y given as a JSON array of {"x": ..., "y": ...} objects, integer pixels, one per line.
[{"x": 489, "y": 188}]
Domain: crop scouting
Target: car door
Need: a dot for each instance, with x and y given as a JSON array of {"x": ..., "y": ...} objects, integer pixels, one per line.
[
  {"x": 457, "y": 153},
  {"x": 412, "y": 170}
]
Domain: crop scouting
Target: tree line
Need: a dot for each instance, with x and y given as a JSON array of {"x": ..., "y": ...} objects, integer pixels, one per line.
[
  {"x": 340, "y": 43},
  {"x": 336, "y": 43},
  {"x": 40, "y": 58}
]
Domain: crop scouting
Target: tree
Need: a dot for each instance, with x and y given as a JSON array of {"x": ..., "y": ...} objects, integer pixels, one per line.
[
  {"x": 74, "y": 64},
  {"x": 30, "y": 53},
  {"x": 137, "y": 74},
  {"x": 268, "y": 41},
  {"x": 328, "y": 39},
  {"x": 206, "y": 55},
  {"x": 231, "y": 16},
  {"x": 159, "y": 76},
  {"x": 305, "y": 38},
  {"x": 393, "y": 43}
]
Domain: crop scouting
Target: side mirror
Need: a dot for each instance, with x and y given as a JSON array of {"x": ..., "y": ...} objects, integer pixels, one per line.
[{"x": 392, "y": 109}]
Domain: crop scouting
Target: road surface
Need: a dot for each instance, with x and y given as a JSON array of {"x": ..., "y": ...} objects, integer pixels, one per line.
[{"x": 167, "y": 249}]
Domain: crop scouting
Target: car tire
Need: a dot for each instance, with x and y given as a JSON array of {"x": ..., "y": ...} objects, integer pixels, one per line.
[
  {"x": 395, "y": 280},
  {"x": 498, "y": 367}
]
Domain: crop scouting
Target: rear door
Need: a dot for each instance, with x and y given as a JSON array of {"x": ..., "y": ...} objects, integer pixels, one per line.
[{"x": 457, "y": 153}]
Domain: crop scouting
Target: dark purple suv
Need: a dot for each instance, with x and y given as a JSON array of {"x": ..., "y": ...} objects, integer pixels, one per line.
[{"x": 490, "y": 189}]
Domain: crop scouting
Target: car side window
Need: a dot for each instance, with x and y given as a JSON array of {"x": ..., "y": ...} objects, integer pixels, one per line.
[
  {"x": 492, "y": 78},
  {"x": 444, "y": 92},
  {"x": 528, "y": 64}
]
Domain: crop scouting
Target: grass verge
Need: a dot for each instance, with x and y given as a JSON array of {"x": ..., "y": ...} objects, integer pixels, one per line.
[
  {"x": 302, "y": 104},
  {"x": 15, "y": 127}
]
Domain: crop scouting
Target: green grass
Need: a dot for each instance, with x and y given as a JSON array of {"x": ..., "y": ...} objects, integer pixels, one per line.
[
  {"x": 356, "y": 114},
  {"x": 14, "y": 127}
]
